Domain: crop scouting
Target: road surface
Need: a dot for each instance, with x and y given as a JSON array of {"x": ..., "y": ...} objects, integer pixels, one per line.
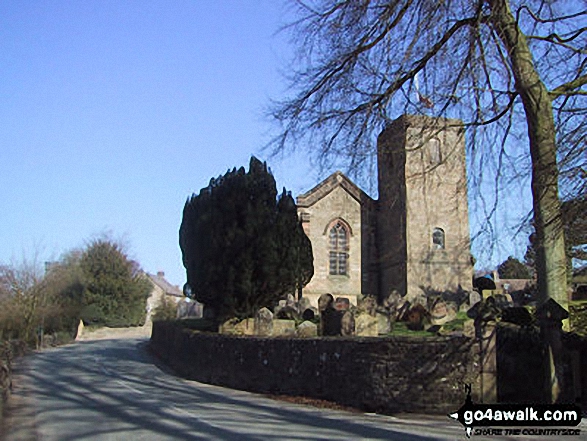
[{"x": 113, "y": 389}]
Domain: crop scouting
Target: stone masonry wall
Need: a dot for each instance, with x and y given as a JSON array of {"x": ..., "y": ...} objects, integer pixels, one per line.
[{"x": 399, "y": 374}]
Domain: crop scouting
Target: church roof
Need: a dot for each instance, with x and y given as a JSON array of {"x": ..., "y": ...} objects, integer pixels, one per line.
[{"x": 335, "y": 180}]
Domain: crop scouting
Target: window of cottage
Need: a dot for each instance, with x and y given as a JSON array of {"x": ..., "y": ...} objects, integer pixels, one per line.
[
  {"x": 338, "y": 238},
  {"x": 438, "y": 239}
]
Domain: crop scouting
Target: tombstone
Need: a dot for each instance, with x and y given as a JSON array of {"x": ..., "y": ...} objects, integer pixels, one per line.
[
  {"x": 280, "y": 305},
  {"x": 417, "y": 317},
  {"x": 310, "y": 313},
  {"x": 366, "y": 325},
  {"x": 228, "y": 327},
  {"x": 304, "y": 304},
  {"x": 264, "y": 322},
  {"x": 347, "y": 323},
  {"x": 283, "y": 328},
  {"x": 290, "y": 300},
  {"x": 245, "y": 327},
  {"x": 384, "y": 323},
  {"x": 443, "y": 312},
  {"x": 330, "y": 322},
  {"x": 368, "y": 304},
  {"x": 288, "y": 313},
  {"x": 342, "y": 304},
  {"x": 325, "y": 301},
  {"x": 401, "y": 314},
  {"x": 474, "y": 298},
  {"x": 307, "y": 329}
]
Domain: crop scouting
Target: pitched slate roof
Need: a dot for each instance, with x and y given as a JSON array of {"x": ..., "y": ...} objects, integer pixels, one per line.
[
  {"x": 336, "y": 179},
  {"x": 167, "y": 287}
]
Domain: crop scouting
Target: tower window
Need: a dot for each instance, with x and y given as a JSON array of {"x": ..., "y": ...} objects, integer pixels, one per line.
[
  {"x": 438, "y": 239},
  {"x": 434, "y": 151},
  {"x": 338, "y": 241}
]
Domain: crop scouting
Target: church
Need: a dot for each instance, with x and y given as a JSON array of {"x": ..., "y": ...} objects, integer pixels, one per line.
[{"x": 414, "y": 238}]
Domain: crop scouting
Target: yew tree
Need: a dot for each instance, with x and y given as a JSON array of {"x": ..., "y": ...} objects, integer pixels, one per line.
[{"x": 512, "y": 71}]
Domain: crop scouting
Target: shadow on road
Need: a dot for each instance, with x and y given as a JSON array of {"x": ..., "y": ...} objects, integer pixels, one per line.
[{"x": 115, "y": 389}]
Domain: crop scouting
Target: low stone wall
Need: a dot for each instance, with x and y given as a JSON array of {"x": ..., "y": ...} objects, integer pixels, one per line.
[
  {"x": 8, "y": 351},
  {"x": 387, "y": 375}
]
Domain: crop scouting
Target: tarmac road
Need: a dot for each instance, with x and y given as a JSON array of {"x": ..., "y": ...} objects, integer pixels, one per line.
[{"x": 112, "y": 389}]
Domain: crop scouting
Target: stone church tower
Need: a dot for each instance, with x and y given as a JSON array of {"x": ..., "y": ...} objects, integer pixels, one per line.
[
  {"x": 414, "y": 238},
  {"x": 423, "y": 219}
]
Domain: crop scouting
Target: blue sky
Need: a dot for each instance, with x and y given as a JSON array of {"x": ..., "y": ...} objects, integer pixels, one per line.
[{"x": 113, "y": 112}]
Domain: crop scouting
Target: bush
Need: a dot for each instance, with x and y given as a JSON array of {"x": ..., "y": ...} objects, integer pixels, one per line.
[{"x": 166, "y": 310}]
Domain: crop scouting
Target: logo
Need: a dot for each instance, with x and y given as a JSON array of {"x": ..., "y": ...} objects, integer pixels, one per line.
[{"x": 472, "y": 415}]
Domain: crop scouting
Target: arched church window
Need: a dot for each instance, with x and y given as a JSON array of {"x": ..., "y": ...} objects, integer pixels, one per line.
[
  {"x": 438, "y": 239},
  {"x": 339, "y": 239},
  {"x": 434, "y": 151}
]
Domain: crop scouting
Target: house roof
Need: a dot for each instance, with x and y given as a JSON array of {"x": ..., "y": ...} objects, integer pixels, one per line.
[
  {"x": 167, "y": 287},
  {"x": 335, "y": 180}
]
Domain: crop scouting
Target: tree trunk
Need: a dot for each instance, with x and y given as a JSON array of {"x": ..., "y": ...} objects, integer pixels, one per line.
[{"x": 550, "y": 250}]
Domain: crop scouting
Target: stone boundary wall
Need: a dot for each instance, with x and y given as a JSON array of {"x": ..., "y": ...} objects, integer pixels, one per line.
[{"x": 386, "y": 375}]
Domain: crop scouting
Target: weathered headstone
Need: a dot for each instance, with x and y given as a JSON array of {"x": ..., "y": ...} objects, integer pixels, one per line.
[
  {"x": 310, "y": 313},
  {"x": 228, "y": 326},
  {"x": 307, "y": 329},
  {"x": 366, "y": 325},
  {"x": 330, "y": 322},
  {"x": 245, "y": 327},
  {"x": 474, "y": 298},
  {"x": 304, "y": 304},
  {"x": 367, "y": 304},
  {"x": 280, "y": 305},
  {"x": 347, "y": 323},
  {"x": 342, "y": 304},
  {"x": 290, "y": 300},
  {"x": 418, "y": 318},
  {"x": 384, "y": 323},
  {"x": 264, "y": 322},
  {"x": 288, "y": 313},
  {"x": 283, "y": 328},
  {"x": 325, "y": 301}
]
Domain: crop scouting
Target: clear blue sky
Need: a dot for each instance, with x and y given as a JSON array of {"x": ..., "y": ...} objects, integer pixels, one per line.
[{"x": 113, "y": 112}]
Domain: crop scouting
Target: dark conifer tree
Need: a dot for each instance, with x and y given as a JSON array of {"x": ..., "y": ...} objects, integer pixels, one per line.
[{"x": 242, "y": 249}]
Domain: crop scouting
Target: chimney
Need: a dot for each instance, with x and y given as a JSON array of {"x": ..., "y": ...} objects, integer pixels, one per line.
[{"x": 161, "y": 274}]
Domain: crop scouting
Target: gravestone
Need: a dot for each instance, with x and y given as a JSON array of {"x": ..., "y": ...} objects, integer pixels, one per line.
[
  {"x": 366, "y": 325},
  {"x": 347, "y": 323},
  {"x": 245, "y": 327},
  {"x": 418, "y": 317},
  {"x": 367, "y": 304},
  {"x": 325, "y": 301},
  {"x": 280, "y": 305},
  {"x": 290, "y": 301},
  {"x": 342, "y": 304},
  {"x": 307, "y": 329},
  {"x": 264, "y": 322},
  {"x": 304, "y": 304},
  {"x": 330, "y": 322},
  {"x": 310, "y": 313},
  {"x": 288, "y": 313},
  {"x": 474, "y": 298},
  {"x": 283, "y": 328},
  {"x": 384, "y": 323}
]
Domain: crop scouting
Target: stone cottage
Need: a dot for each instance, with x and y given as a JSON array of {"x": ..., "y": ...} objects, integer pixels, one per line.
[
  {"x": 414, "y": 238},
  {"x": 161, "y": 289}
]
